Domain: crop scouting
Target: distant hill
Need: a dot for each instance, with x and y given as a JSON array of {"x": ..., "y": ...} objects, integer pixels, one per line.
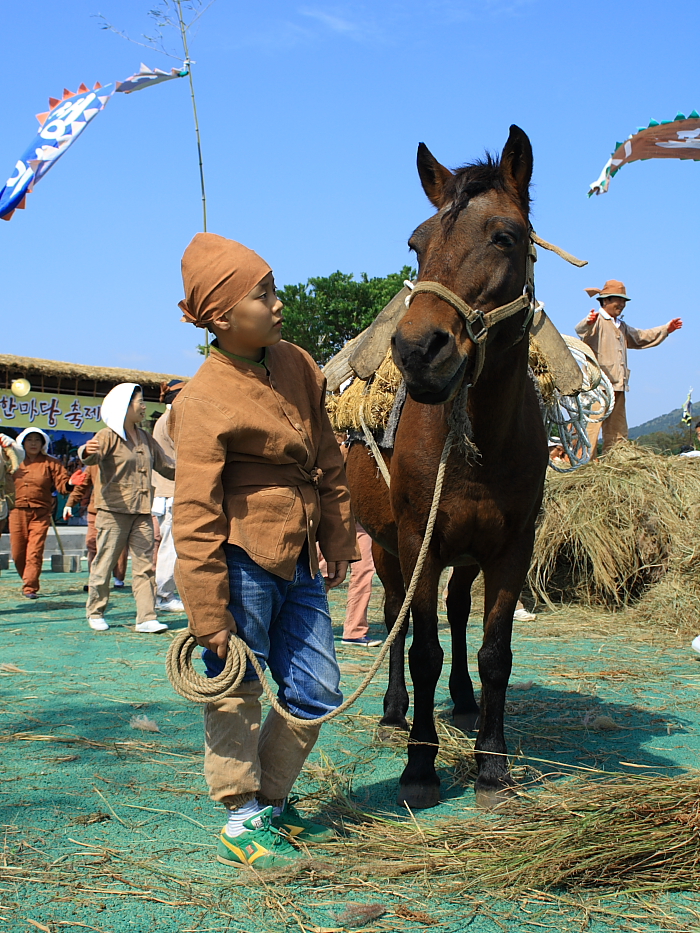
[{"x": 669, "y": 422}]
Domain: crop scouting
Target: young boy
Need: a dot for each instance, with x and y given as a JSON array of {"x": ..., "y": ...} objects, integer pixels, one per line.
[{"x": 259, "y": 480}]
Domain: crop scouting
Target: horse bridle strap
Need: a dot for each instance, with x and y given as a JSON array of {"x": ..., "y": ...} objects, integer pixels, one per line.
[{"x": 470, "y": 316}]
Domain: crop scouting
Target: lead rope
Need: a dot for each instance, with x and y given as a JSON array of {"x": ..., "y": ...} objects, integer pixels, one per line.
[
  {"x": 372, "y": 444},
  {"x": 193, "y": 686}
]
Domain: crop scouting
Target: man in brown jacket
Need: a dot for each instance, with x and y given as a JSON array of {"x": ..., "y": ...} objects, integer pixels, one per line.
[
  {"x": 260, "y": 480},
  {"x": 610, "y": 337},
  {"x": 35, "y": 482}
]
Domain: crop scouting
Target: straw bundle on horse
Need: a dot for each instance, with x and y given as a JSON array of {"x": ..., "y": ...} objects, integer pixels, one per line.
[{"x": 375, "y": 396}]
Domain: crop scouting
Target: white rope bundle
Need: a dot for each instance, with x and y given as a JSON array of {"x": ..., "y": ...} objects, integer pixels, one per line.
[{"x": 572, "y": 413}]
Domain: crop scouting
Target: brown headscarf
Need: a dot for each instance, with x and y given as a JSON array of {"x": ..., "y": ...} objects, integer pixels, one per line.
[{"x": 217, "y": 273}]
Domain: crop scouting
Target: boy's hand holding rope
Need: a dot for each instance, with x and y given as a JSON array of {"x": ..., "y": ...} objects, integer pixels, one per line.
[
  {"x": 217, "y": 642},
  {"x": 193, "y": 686}
]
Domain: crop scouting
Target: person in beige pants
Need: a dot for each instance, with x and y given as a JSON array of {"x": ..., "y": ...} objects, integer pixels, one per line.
[
  {"x": 610, "y": 337},
  {"x": 126, "y": 455}
]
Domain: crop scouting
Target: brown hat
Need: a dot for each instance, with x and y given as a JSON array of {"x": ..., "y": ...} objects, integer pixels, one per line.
[
  {"x": 611, "y": 289},
  {"x": 217, "y": 273}
]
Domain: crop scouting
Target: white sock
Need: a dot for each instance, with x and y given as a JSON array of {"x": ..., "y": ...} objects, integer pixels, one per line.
[
  {"x": 234, "y": 824},
  {"x": 277, "y": 811}
]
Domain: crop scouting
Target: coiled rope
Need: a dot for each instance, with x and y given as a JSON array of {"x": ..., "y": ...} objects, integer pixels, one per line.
[{"x": 193, "y": 686}]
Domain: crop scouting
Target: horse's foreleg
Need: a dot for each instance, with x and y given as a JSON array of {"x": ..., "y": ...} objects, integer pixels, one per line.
[
  {"x": 396, "y": 698},
  {"x": 466, "y": 710},
  {"x": 503, "y": 582},
  {"x": 419, "y": 785}
]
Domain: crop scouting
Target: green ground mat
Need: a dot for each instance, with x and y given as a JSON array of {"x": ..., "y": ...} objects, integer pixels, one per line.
[{"x": 108, "y": 827}]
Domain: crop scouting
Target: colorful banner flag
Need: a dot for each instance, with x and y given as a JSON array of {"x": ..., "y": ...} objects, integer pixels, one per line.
[
  {"x": 147, "y": 77},
  {"x": 671, "y": 139},
  {"x": 687, "y": 415},
  {"x": 61, "y": 126}
]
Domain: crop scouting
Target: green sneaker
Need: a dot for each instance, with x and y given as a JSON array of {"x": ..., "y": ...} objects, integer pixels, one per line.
[
  {"x": 296, "y": 827},
  {"x": 260, "y": 846}
]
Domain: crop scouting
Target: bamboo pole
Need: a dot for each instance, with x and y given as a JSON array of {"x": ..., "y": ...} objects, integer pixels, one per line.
[{"x": 183, "y": 35}]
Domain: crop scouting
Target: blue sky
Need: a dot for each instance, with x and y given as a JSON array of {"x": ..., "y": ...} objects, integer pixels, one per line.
[{"x": 310, "y": 114}]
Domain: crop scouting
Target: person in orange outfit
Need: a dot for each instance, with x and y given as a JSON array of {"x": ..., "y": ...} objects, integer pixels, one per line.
[{"x": 35, "y": 482}]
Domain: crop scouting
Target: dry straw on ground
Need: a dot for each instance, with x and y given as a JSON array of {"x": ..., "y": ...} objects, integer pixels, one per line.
[
  {"x": 634, "y": 833},
  {"x": 623, "y": 529}
]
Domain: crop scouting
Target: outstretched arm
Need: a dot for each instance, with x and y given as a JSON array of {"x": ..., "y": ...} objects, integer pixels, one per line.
[{"x": 642, "y": 339}]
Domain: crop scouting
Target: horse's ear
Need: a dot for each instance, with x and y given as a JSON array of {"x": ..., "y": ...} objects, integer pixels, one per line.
[
  {"x": 516, "y": 161},
  {"x": 433, "y": 176}
]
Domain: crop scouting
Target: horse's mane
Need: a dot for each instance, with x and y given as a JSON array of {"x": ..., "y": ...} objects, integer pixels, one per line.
[{"x": 473, "y": 179}]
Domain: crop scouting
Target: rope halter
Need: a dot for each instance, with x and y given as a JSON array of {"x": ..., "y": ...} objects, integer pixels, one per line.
[{"x": 478, "y": 323}]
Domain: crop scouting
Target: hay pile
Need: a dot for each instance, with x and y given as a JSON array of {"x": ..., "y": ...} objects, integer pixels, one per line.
[{"x": 621, "y": 529}]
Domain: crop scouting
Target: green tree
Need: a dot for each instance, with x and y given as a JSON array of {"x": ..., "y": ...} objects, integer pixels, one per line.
[
  {"x": 324, "y": 314},
  {"x": 667, "y": 442}
]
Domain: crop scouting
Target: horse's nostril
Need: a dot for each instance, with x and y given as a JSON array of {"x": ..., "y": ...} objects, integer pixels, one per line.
[
  {"x": 423, "y": 351},
  {"x": 439, "y": 340}
]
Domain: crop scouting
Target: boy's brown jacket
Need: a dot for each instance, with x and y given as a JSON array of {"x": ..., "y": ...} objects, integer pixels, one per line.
[{"x": 257, "y": 466}]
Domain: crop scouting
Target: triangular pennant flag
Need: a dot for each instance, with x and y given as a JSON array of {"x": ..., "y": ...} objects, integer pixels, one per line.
[
  {"x": 76, "y": 110},
  {"x": 73, "y": 111},
  {"x": 670, "y": 139}
]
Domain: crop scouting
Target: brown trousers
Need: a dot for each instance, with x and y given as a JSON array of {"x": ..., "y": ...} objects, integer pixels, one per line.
[
  {"x": 28, "y": 531},
  {"x": 614, "y": 427},
  {"x": 243, "y": 761},
  {"x": 91, "y": 548},
  {"x": 116, "y": 531}
]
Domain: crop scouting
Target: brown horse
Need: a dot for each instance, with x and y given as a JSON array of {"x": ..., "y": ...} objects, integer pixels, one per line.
[{"x": 477, "y": 244}]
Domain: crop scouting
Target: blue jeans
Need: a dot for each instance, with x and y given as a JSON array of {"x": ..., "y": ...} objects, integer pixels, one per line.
[{"x": 288, "y": 626}]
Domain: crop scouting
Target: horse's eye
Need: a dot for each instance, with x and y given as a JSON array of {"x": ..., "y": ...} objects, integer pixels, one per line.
[{"x": 503, "y": 240}]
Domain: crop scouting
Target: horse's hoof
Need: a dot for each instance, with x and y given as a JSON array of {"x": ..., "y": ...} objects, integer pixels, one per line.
[
  {"x": 390, "y": 734},
  {"x": 391, "y": 723},
  {"x": 467, "y": 722},
  {"x": 493, "y": 798},
  {"x": 418, "y": 796}
]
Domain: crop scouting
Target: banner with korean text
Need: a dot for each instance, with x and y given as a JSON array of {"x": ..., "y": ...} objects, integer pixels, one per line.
[{"x": 56, "y": 412}]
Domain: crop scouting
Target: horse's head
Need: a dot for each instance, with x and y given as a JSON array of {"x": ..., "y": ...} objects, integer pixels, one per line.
[{"x": 476, "y": 245}]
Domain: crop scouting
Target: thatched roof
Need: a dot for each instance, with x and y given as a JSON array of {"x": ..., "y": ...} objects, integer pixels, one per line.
[{"x": 25, "y": 365}]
